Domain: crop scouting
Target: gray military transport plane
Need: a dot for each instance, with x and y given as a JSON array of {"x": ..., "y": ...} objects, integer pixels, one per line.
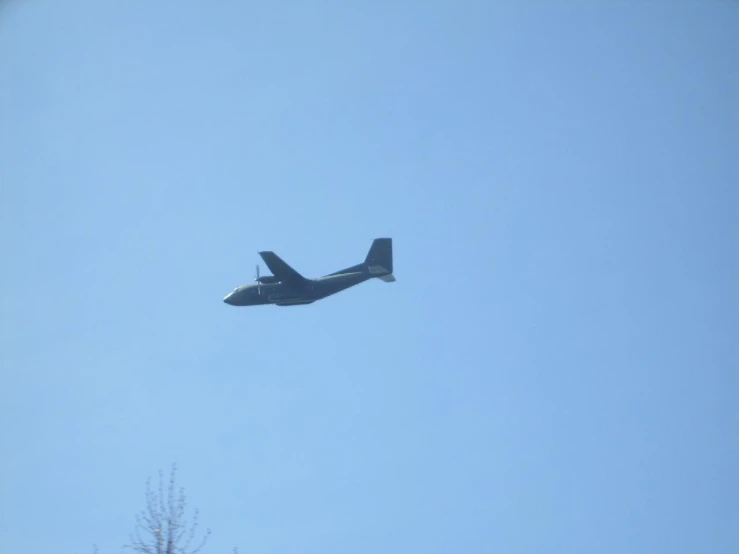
[{"x": 287, "y": 287}]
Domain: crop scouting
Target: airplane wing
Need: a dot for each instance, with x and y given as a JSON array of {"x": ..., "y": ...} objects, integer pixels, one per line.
[{"x": 280, "y": 269}]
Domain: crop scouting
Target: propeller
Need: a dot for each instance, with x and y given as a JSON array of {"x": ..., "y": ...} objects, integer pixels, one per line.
[{"x": 259, "y": 283}]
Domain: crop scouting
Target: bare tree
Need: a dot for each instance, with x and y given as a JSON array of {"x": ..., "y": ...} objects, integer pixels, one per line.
[{"x": 162, "y": 528}]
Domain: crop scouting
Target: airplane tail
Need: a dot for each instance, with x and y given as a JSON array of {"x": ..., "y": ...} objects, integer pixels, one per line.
[{"x": 379, "y": 260}]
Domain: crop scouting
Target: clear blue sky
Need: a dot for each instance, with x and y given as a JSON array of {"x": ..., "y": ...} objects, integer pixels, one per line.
[{"x": 556, "y": 368}]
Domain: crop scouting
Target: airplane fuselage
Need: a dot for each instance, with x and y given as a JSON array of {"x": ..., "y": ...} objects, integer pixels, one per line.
[{"x": 288, "y": 294}]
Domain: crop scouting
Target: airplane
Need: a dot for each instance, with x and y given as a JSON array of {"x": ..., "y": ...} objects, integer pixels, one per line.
[{"x": 287, "y": 287}]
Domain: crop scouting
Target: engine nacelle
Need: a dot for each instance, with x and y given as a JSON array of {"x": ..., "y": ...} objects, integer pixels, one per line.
[{"x": 267, "y": 280}]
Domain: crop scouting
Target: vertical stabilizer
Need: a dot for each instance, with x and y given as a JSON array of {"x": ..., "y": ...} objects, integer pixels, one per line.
[{"x": 379, "y": 260}]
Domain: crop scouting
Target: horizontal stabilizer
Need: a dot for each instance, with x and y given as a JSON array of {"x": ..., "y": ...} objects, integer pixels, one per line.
[{"x": 388, "y": 278}]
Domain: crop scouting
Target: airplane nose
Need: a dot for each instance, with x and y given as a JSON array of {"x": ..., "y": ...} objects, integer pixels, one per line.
[{"x": 227, "y": 299}]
